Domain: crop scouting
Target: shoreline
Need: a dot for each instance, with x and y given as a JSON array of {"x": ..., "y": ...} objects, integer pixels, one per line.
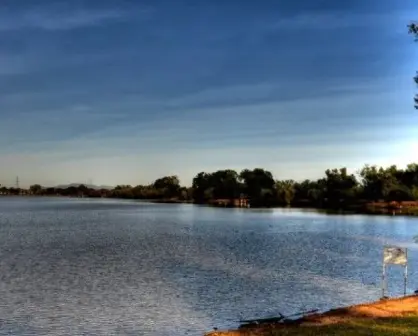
[
  {"x": 373, "y": 208},
  {"x": 384, "y": 311},
  {"x": 353, "y": 210}
]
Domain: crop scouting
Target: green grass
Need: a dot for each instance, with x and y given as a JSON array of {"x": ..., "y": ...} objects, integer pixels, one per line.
[{"x": 357, "y": 327}]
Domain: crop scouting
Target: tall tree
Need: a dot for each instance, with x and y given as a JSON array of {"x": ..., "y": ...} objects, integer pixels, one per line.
[
  {"x": 169, "y": 186},
  {"x": 376, "y": 182},
  {"x": 222, "y": 184},
  {"x": 35, "y": 189},
  {"x": 201, "y": 185},
  {"x": 225, "y": 184},
  {"x": 259, "y": 186},
  {"x": 3, "y": 190},
  {"x": 285, "y": 191},
  {"x": 310, "y": 192},
  {"x": 340, "y": 186}
]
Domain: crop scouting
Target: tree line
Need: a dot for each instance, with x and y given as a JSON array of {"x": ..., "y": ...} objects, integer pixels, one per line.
[
  {"x": 165, "y": 188},
  {"x": 337, "y": 189}
]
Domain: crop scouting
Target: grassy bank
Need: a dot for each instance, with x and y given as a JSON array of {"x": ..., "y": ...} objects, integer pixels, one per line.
[
  {"x": 360, "y": 327},
  {"x": 401, "y": 208},
  {"x": 382, "y": 318}
]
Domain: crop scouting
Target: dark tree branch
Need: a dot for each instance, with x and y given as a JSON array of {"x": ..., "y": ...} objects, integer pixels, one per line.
[{"x": 413, "y": 29}]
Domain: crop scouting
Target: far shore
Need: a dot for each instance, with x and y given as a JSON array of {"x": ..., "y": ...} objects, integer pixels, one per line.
[
  {"x": 374, "y": 190},
  {"x": 402, "y": 208},
  {"x": 371, "y": 208}
]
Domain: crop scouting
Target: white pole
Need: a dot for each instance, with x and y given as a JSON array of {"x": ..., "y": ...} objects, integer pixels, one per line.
[
  {"x": 405, "y": 272},
  {"x": 383, "y": 280}
]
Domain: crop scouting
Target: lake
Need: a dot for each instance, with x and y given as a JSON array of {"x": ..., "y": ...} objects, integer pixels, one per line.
[{"x": 110, "y": 267}]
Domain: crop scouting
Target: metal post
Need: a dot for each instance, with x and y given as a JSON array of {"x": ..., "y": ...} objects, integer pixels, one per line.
[
  {"x": 405, "y": 275},
  {"x": 383, "y": 280},
  {"x": 396, "y": 256}
]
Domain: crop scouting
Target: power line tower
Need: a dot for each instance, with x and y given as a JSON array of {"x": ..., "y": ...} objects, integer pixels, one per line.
[{"x": 17, "y": 182}]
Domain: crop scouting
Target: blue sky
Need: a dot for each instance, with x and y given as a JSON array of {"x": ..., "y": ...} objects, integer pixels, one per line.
[{"x": 127, "y": 91}]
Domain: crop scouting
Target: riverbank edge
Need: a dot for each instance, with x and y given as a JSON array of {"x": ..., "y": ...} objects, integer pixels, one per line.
[
  {"x": 398, "y": 307},
  {"x": 371, "y": 208}
]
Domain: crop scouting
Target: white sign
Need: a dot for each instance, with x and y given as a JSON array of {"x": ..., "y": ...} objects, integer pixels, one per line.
[{"x": 394, "y": 255}]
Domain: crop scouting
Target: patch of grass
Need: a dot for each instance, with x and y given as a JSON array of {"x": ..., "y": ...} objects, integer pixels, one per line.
[{"x": 406, "y": 326}]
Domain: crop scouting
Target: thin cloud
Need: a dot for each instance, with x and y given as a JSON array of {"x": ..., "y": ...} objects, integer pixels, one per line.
[
  {"x": 51, "y": 19},
  {"x": 311, "y": 22},
  {"x": 334, "y": 20}
]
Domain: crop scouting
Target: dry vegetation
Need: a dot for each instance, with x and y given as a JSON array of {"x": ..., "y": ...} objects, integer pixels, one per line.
[{"x": 387, "y": 317}]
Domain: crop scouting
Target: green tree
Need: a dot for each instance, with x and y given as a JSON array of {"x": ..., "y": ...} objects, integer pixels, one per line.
[
  {"x": 285, "y": 191},
  {"x": 309, "y": 192},
  {"x": 168, "y": 186},
  {"x": 389, "y": 184},
  {"x": 222, "y": 184},
  {"x": 414, "y": 193},
  {"x": 201, "y": 183},
  {"x": 259, "y": 186},
  {"x": 167, "y": 182},
  {"x": 4, "y": 190},
  {"x": 225, "y": 184},
  {"x": 14, "y": 191},
  {"x": 340, "y": 187},
  {"x": 375, "y": 182},
  {"x": 35, "y": 189},
  {"x": 409, "y": 176},
  {"x": 122, "y": 191},
  {"x": 186, "y": 194}
]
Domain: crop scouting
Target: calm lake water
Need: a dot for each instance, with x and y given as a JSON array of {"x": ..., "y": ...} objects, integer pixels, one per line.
[{"x": 104, "y": 267}]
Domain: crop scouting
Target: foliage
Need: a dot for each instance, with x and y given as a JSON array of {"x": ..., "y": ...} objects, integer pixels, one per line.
[
  {"x": 310, "y": 192},
  {"x": 285, "y": 191},
  {"x": 169, "y": 186},
  {"x": 35, "y": 189},
  {"x": 259, "y": 186},
  {"x": 222, "y": 184},
  {"x": 340, "y": 187}
]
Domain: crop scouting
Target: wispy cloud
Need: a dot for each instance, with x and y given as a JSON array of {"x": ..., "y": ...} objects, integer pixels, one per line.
[
  {"x": 53, "y": 18},
  {"x": 331, "y": 20},
  {"x": 223, "y": 85},
  {"x": 311, "y": 22},
  {"x": 284, "y": 122}
]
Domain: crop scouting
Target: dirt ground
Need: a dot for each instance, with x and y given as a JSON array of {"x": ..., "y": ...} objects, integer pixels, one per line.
[{"x": 399, "y": 307}]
